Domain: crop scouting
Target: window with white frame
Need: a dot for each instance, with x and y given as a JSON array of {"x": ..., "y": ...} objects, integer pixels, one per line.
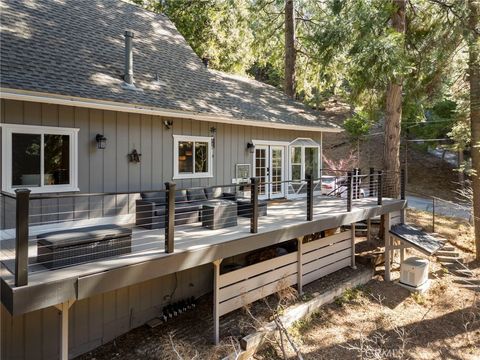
[
  {"x": 192, "y": 157},
  {"x": 40, "y": 158},
  {"x": 304, "y": 159}
]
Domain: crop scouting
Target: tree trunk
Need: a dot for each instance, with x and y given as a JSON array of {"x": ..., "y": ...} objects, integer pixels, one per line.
[
  {"x": 289, "y": 49},
  {"x": 474, "y": 80},
  {"x": 461, "y": 174},
  {"x": 393, "y": 117}
]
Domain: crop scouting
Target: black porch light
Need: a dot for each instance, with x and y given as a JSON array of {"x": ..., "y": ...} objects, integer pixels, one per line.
[
  {"x": 251, "y": 147},
  {"x": 101, "y": 141}
]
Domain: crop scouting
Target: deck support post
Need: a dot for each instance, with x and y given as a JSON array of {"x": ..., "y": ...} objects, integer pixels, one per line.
[
  {"x": 21, "y": 236},
  {"x": 309, "y": 197},
  {"x": 170, "y": 218},
  {"x": 369, "y": 229},
  {"x": 352, "y": 237},
  {"x": 216, "y": 288},
  {"x": 402, "y": 253},
  {"x": 64, "y": 310},
  {"x": 388, "y": 247},
  {"x": 300, "y": 265}
]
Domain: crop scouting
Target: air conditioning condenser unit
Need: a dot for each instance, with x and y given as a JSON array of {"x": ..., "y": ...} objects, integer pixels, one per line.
[{"x": 414, "y": 274}]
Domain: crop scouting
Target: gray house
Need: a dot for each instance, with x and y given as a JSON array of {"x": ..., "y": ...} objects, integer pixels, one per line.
[{"x": 102, "y": 103}]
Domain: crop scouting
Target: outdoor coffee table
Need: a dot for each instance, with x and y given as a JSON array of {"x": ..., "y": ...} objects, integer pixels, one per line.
[{"x": 219, "y": 214}]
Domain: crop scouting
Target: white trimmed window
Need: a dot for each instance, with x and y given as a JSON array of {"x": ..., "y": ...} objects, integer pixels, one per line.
[
  {"x": 41, "y": 158},
  {"x": 304, "y": 159},
  {"x": 193, "y": 157}
]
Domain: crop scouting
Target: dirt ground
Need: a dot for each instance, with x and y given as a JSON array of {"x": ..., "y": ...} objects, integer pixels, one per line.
[
  {"x": 459, "y": 232},
  {"x": 385, "y": 321}
]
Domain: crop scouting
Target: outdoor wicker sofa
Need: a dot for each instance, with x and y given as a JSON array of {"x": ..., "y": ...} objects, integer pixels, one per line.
[{"x": 151, "y": 208}]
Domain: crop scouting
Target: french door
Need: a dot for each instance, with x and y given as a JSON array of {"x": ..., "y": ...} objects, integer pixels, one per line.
[{"x": 270, "y": 169}]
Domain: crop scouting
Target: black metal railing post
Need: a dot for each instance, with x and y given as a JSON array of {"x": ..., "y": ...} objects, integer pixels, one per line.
[
  {"x": 21, "y": 236},
  {"x": 254, "y": 205},
  {"x": 349, "y": 191},
  {"x": 170, "y": 218},
  {"x": 371, "y": 182},
  {"x": 402, "y": 184},
  {"x": 309, "y": 197},
  {"x": 379, "y": 187}
]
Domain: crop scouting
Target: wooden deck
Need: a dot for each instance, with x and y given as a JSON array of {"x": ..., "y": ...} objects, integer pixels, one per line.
[{"x": 194, "y": 246}]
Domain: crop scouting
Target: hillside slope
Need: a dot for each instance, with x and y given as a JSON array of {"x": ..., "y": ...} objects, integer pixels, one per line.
[{"x": 427, "y": 174}]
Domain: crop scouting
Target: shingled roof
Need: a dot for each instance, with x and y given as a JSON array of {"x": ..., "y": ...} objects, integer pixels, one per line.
[{"x": 76, "y": 48}]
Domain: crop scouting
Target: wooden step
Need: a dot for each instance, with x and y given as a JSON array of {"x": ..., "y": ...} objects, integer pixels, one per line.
[
  {"x": 471, "y": 287},
  {"x": 450, "y": 259},
  {"x": 438, "y": 237},
  {"x": 464, "y": 272},
  {"x": 448, "y": 248},
  {"x": 447, "y": 253},
  {"x": 467, "y": 280}
]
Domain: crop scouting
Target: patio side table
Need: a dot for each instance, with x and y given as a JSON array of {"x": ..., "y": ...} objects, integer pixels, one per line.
[{"x": 219, "y": 214}]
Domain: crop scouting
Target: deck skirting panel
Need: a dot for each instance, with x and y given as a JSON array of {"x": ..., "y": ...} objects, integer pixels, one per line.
[
  {"x": 324, "y": 256},
  {"x": 320, "y": 257},
  {"x": 273, "y": 275}
]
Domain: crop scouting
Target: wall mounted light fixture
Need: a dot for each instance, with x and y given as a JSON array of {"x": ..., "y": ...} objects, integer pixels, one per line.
[
  {"x": 251, "y": 147},
  {"x": 134, "y": 156},
  {"x": 168, "y": 124},
  {"x": 101, "y": 141}
]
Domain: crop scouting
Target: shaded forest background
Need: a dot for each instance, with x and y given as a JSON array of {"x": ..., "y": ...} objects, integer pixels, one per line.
[{"x": 345, "y": 51}]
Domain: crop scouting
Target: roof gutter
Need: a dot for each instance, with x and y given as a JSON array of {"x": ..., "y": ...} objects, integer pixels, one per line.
[{"x": 24, "y": 95}]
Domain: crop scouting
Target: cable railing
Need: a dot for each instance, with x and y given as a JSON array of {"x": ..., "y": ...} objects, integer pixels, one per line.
[{"x": 73, "y": 229}]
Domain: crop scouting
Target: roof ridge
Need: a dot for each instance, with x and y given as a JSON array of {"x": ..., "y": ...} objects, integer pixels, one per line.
[{"x": 138, "y": 6}]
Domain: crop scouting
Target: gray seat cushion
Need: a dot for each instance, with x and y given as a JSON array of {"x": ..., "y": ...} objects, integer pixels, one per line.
[
  {"x": 181, "y": 196},
  {"x": 158, "y": 197},
  {"x": 70, "y": 237},
  {"x": 196, "y": 195},
  {"x": 213, "y": 192}
]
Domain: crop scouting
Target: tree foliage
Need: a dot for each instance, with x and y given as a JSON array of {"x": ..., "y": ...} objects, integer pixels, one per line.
[
  {"x": 216, "y": 29},
  {"x": 344, "y": 49}
]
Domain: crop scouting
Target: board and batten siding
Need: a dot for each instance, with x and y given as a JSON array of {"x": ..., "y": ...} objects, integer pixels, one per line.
[
  {"x": 99, "y": 319},
  {"x": 109, "y": 170}
]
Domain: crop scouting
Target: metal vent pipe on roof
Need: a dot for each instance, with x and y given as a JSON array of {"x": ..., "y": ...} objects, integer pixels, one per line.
[{"x": 128, "y": 77}]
